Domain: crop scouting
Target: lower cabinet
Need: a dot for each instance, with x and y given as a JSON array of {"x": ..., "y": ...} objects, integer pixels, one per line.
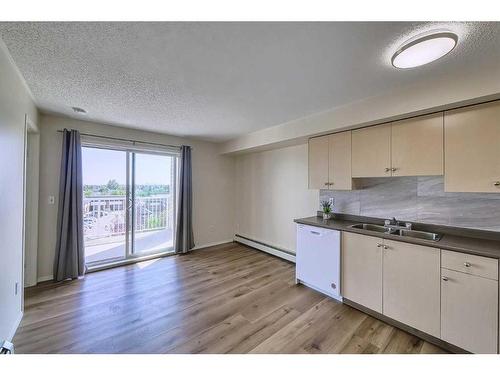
[
  {"x": 411, "y": 292},
  {"x": 362, "y": 270},
  {"x": 449, "y": 295},
  {"x": 469, "y": 311}
]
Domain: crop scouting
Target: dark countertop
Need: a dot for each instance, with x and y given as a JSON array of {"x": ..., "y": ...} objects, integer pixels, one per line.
[{"x": 474, "y": 242}]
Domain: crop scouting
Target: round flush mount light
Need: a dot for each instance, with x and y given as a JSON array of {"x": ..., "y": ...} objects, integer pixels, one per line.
[
  {"x": 424, "y": 49},
  {"x": 79, "y": 110}
]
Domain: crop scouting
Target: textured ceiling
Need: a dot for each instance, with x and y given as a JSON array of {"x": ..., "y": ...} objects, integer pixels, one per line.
[{"x": 219, "y": 80}]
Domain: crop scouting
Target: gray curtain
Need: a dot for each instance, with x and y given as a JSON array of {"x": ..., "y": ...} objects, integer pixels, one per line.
[
  {"x": 184, "y": 240},
  {"x": 69, "y": 261}
]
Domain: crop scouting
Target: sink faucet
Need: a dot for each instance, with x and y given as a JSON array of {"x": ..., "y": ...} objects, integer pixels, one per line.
[{"x": 395, "y": 224}]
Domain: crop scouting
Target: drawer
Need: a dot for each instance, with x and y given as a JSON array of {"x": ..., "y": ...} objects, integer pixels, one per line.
[{"x": 471, "y": 264}]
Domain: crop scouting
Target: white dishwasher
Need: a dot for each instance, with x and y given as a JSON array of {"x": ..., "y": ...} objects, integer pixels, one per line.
[{"x": 318, "y": 259}]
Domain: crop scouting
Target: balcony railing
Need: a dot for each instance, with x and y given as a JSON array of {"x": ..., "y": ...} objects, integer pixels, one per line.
[{"x": 105, "y": 216}]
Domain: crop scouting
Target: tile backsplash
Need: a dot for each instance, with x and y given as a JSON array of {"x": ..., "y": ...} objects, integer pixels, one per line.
[{"x": 418, "y": 199}]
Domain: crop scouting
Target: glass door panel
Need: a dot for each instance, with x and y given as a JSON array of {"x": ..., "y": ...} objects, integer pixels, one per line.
[
  {"x": 153, "y": 190},
  {"x": 104, "y": 204}
]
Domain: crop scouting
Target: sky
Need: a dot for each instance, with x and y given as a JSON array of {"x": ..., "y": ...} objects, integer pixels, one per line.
[{"x": 100, "y": 166}]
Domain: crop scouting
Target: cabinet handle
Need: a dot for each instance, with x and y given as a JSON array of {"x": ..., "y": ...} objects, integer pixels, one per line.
[
  {"x": 334, "y": 286},
  {"x": 444, "y": 278},
  {"x": 393, "y": 169},
  {"x": 467, "y": 264},
  {"x": 385, "y": 247},
  {"x": 330, "y": 183},
  {"x": 379, "y": 245},
  {"x": 326, "y": 184},
  {"x": 387, "y": 169},
  {"x": 496, "y": 183}
]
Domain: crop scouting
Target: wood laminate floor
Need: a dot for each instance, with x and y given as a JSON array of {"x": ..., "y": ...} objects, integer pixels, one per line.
[{"x": 226, "y": 299}]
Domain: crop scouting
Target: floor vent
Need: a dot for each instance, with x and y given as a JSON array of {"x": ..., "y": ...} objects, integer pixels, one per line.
[{"x": 284, "y": 254}]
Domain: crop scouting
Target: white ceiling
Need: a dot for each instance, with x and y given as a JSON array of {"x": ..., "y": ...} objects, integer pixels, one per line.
[{"x": 216, "y": 81}]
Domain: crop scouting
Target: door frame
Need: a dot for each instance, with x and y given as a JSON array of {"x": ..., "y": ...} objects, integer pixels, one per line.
[
  {"x": 30, "y": 203},
  {"x": 129, "y": 256}
]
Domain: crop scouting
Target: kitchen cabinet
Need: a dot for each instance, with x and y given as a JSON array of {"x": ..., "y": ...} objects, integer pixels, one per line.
[
  {"x": 362, "y": 270},
  {"x": 318, "y": 163},
  {"x": 371, "y": 151},
  {"x": 469, "y": 311},
  {"x": 411, "y": 286},
  {"x": 417, "y": 146},
  {"x": 472, "y": 151},
  {"x": 412, "y": 147},
  {"x": 330, "y": 162}
]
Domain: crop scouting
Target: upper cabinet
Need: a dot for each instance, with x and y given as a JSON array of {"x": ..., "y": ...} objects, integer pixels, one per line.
[
  {"x": 318, "y": 163},
  {"x": 330, "y": 162},
  {"x": 371, "y": 151},
  {"x": 417, "y": 146},
  {"x": 461, "y": 144},
  {"x": 412, "y": 147},
  {"x": 472, "y": 149}
]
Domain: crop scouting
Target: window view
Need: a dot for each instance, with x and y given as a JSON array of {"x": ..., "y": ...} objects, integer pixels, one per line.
[
  {"x": 113, "y": 229},
  {"x": 104, "y": 204},
  {"x": 154, "y": 203}
]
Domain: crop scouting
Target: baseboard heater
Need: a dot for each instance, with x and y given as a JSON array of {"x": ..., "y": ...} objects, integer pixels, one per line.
[
  {"x": 7, "y": 348},
  {"x": 273, "y": 250}
]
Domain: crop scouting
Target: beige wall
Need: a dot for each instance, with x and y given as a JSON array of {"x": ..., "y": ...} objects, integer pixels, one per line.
[
  {"x": 213, "y": 180},
  {"x": 271, "y": 191},
  {"x": 15, "y": 103}
]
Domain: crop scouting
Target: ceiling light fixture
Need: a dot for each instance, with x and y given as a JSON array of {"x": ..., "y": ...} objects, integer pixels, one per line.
[
  {"x": 424, "y": 49},
  {"x": 79, "y": 110}
]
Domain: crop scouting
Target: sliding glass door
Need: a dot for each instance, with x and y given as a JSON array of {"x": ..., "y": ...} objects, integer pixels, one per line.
[
  {"x": 153, "y": 209},
  {"x": 128, "y": 204}
]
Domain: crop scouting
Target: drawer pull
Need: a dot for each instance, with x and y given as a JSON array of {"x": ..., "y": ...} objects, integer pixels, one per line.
[
  {"x": 334, "y": 286},
  {"x": 467, "y": 264},
  {"x": 496, "y": 183},
  {"x": 379, "y": 245},
  {"x": 385, "y": 247},
  {"x": 444, "y": 278}
]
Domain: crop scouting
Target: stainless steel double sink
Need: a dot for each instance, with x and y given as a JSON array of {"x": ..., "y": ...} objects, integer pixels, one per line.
[{"x": 403, "y": 232}]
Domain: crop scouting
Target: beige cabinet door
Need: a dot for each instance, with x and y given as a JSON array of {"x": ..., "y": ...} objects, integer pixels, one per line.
[
  {"x": 411, "y": 285},
  {"x": 340, "y": 161},
  {"x": 472, "y": 149},
  {"x": 469, "y": 311},
  {"x": 417, "y": 146},
  {"x": 362, "y": 270},
  {"x": 318, "y": 162},
  {"x": 371, "y": 151}
]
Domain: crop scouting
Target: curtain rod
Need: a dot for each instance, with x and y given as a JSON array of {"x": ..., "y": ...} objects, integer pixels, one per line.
[{"x": 122, "y": 139}]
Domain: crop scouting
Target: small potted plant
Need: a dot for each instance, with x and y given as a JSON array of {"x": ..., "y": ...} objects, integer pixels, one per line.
[{"x": 327, "y": 210}]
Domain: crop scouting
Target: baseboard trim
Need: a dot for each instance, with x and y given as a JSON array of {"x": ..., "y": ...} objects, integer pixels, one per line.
[
  {"x": 15, "y": 327},
  {"x": 44, "y": 278},
  {"x": 280, "y": 253},
  {"x": 206, "y": 246}
]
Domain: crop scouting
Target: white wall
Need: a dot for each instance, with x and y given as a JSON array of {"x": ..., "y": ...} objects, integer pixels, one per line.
[
  {"x": 213, "y": 183},
  {"x": 271, "y": 191},
  {"x": 15, "y": 103}
]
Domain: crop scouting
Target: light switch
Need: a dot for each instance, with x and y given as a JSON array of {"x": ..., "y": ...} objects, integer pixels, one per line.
[{"x": 51, "y": 199}]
